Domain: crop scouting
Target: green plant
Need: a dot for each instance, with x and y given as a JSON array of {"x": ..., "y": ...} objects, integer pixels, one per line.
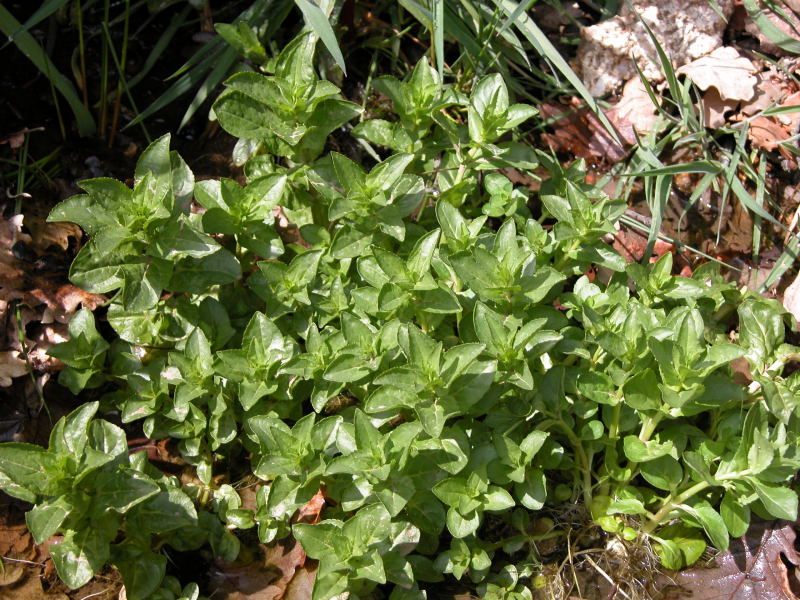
[{"x": 438, "y": 371}]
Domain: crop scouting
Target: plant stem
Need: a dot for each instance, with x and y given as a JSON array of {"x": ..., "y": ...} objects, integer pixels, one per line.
[
  {"x": 649, "y": 426},
  {"x": 121, "y": 75},
  {"x": 82, "y": 52},
  {"x": 580, "y": 455},
  {"x": 672, "y": 502},
  {"x": 524, "y": 537},
  {"x": 104, "y": 74}
]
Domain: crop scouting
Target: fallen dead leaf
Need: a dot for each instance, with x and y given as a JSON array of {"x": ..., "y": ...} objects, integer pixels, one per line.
[
  {"x": 11, "y": 365},
  {"x": 761, "y": 565},
  {"x": 282, "y": 572},
  {"x": 634, "y": 113},
  {"x": 16, "y": 139},
  {"x": 44, "y": 234},
  {"x": 714, "y": 108},
  {"x": 768, "y": 132},
  {"x": 791, "y": 298},
  {"x": 578, "y": 131},
  {"x": 770, "y": 87},
  {"x": 30, "y": 589},
  {"x": 632, "y": 243},
  {"x": 288, "y": 231},
  {"x": 32, "y": 292},
  {"x": 726, "y": 70}
]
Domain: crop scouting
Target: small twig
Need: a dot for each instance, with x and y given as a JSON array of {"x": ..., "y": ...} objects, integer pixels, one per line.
[
  {"x": 100, "y": 593},
  {"x": 607, "y": 577},
  {"x": 19, "y": 560}
]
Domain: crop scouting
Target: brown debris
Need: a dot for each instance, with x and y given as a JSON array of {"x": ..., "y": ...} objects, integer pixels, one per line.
[
  {"x": 280, "y": 573},
  {"x": 578, "y": 131},
  {"x": 790, "y": 29},
  {"x": 634, "y": 114},
  {"x": 33, "y": 294},
  {"x": 762, "y": 564},
  {"x": 768, "y": 132}
]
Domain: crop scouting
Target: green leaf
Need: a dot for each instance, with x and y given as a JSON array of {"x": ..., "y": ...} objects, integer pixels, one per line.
[
  {"x": 760, "y": 330},
  {"x": 142, "y": 570},
  {"x": 497, "y": 499},
  {"x": 43, "y": 520},
  {"x": 712, "y": 523},
  {"x": 168, "y": 510},
  {"x": 27, "y": 470},
  {"x": 735, "y": 515},
  {"x": 780, "y": 502},
  {"x": 195, "y": 276},
  {"x": 460, "y": 526},
  {"x": 419, "y": 261},
  {"x": 664, "y": 473},
  {"x": 121, "y": 489},
  {"x": 80, "y": 555},
  {"x": 641, "y": 391},
  {"x": 346, "y": 368},
  {"x": 70, "y": 434}
]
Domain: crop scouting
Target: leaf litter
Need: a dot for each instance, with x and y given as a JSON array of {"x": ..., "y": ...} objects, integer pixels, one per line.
[
  {"x": 763, "y": 564},
  {"x": 280, "y": 572}
]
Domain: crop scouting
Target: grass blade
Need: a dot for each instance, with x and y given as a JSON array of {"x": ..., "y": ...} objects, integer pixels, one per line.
[
  {"x": 657, "y": 198},
  {"x": 545, "y": 48},
  {"x": 217, "y": 75},
  {"x": 28, "y": 45},
  {"x": 698, "y": 166},
  {"x": 160, "y": 46},
  {"x": 783, "y": 264},
  {"x": 179, "y": 88},
  {"x": 769, "y": 29},
  {"x": 438, "y": 36},
  {"x": 318, "y": 22},
  {"x": 45, "y": 10}
]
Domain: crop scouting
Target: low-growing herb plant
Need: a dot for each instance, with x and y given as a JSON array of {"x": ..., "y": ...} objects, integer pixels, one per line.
[{"x": 429, "y": 354}]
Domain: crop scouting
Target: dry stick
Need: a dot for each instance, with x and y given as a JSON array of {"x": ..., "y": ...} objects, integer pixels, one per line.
[{"x": 607, "y": 577}]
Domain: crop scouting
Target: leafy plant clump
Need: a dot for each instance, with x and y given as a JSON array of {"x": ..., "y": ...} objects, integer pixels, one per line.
[{"x": 429, "y": 354}]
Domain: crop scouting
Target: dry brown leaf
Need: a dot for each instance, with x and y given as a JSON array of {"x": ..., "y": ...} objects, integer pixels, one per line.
[
  {"x": 44, "y": 234},
  {"x": 791, "y": 298},
  {"x": 632, "y": 243},
  {"x": 714, "y": 108},
  {"x": 578, "y": 131},
  {"x": 281, "y": 573},
  {"x": 288, "y": 231},
  {"x": 11, "y": 365},
  {"x": 726, "y": 70},
  {"x": 768, "y": 132},
  {"x": 30, "y": 589},
  {"x": 687, "y": 29},
  {"x": 754, "y": 567},
  {"x": 634, "y": 112},
  {"x": 769, "y": 90}
]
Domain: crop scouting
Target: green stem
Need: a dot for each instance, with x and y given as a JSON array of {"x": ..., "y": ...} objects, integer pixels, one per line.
[
  {"x": 649, "y": 426},
  {"x": 523, "y": 537},
  {"x": 670, "y": 504},
  {"x": 580, "y": 455}
]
